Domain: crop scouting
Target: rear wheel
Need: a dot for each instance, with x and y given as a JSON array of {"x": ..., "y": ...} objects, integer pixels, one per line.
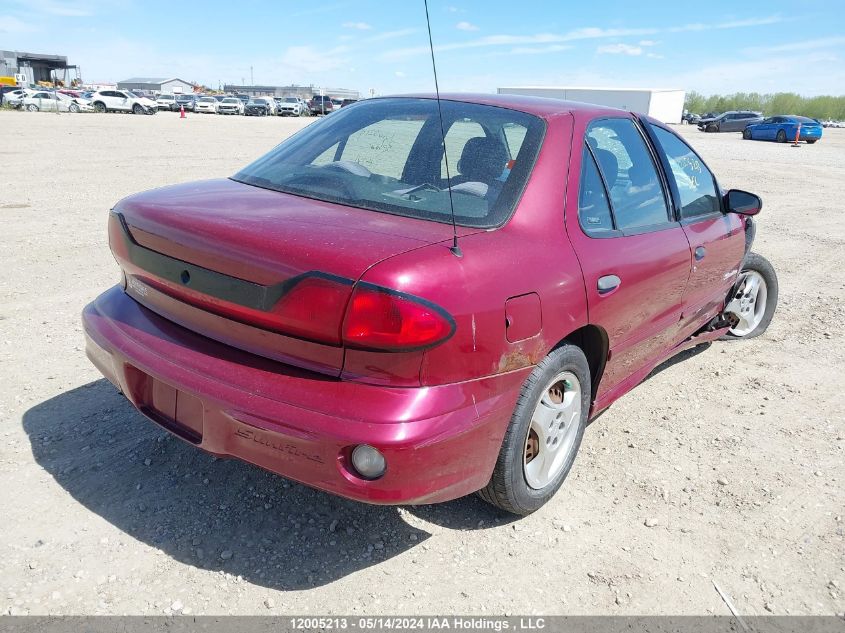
[
  {"x": 544, "y": 434},
  {"x": 755, "y": 298},
  {"x": 746, "y": 134},
  {"x": 32, "y": 107},
  {"x": 99, "y": 107},
  {"x": 811, "y": 141},
  {"x": 73, "y": 107},
  {"x": 781, "y": 136}
]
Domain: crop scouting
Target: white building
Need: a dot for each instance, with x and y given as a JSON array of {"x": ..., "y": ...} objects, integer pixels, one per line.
[
  {"x": 665, "y": 105},
  {"x": 156, "y": 84}
]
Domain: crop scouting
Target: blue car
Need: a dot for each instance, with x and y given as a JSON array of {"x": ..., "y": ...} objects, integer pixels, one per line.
[{"x": 783, "y": 129}]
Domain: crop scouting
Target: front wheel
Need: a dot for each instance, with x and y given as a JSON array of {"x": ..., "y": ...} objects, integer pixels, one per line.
[
  {"x": 781, "y": 136},
  {"x": 544, "y": 434},
  {"x": 746, "y": 134},
  {"x": 100, "y": 107},
  {"x": 755, "y": 298},
  {"x": 137, "y": 109},
  {"x": 712, "y": 128}
]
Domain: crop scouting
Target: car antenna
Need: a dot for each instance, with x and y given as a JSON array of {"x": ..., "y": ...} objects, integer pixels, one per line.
[{"x": 455, "y": 249}]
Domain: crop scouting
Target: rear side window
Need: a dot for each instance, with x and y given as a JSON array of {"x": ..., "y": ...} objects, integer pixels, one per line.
[
  {"x": 633, "y": 183},
  {"x": 696, "y": 185},
  {"x": 387, "y": 155},
  {"x": 593, "y": 207}
]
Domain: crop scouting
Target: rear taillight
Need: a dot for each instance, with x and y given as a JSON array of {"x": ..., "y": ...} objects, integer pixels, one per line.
[
  {"x": 385, "y": 320},
  {"x": 313, "y": 309}
]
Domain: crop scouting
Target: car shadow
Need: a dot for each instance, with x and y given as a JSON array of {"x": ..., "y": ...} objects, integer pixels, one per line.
[{"x": 220, "y": 514}]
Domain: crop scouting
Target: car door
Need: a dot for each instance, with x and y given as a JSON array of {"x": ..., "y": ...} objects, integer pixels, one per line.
[
  {"x": 634, "y": 256},
  {"x": 716, "y": 238}
]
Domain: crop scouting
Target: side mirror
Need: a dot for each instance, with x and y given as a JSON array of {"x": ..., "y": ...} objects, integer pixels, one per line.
[{"x": 742, "y": 202}]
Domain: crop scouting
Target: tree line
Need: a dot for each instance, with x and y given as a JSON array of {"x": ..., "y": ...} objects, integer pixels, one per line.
[{"x": 821, "y": 108}]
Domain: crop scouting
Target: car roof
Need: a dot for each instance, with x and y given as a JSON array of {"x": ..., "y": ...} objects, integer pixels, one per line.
[{"x": 543, "y": 107}]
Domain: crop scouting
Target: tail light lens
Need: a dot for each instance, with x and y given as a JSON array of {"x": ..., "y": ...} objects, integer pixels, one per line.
[
  {"x": 385, "y": 320},
  {"x": 313, "y": 309}
]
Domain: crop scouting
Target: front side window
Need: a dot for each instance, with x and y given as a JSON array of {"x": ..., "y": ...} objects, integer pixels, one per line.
[
  {"x": 633, "y": 183},
  {"x": 387, "y": 155},
  {"x": 696, "y": 185}
]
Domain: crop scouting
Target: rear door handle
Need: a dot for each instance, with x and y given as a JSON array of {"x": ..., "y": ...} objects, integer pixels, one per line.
[
  {"x": 608, "y": 283},
  {"x": 700, "y": 252}
]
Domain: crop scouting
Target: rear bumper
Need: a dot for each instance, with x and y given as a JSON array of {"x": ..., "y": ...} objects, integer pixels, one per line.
[{"x": 439, "y": 442}]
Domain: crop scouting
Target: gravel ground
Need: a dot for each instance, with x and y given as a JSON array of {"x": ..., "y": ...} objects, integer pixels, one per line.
[{"x": 726, "y": 465}]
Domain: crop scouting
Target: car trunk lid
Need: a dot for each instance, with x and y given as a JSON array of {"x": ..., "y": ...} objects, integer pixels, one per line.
[{"x": 218, "y": 257}]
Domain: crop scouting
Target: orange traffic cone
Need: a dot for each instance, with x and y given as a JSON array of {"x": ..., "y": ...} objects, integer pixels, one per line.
[
  {"x": 797, "y": 136},
  {"x": 181, "y": 112}
]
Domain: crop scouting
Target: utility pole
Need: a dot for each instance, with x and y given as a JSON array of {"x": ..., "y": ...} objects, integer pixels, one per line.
[{"x": 251, "y": 78}]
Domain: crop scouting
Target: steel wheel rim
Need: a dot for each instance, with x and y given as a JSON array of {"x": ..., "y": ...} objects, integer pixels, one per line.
[
  {"x": 752, "y": 295},
  {"x": 552, "y": 431}
]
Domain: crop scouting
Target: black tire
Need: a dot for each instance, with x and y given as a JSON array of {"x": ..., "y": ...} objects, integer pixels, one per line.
[
  {"x": 712, "y": 128},
  {"x": 73, "y": 108},
  {"x": 32, "y": 108},
  {"x": 746, "y": 134},
  {"x": 761, "y": 265},
  {"x": 781, "y": 136},
  {"x": 99, "y": 106},
  {"x": 508, "y": 488},
  {"x": 137, "y": 109},
  {"x": 810, "y": 141}
]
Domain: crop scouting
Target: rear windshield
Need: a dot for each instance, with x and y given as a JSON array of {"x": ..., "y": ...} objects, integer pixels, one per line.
[
  {"x": 387, "y": 155},
  {"x": 804, "y": 119}
]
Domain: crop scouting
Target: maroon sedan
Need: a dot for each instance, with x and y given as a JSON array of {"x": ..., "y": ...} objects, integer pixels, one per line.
[{"x": 311, "y": 314}]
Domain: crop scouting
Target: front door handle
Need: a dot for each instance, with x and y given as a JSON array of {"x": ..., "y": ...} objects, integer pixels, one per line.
[
  {"x": 700, "y": 252},
  {"x": 608, "y": 283}
]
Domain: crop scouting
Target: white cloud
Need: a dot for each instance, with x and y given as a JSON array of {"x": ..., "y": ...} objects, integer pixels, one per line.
[
  {"x": 466, "y": 26},
  {"x": 620, "y": 49},
  {"x": 585, "y": 33},
  {"x": 539, "y": 50},
  {"x": 358, "y": 26},
  {"x": 11, "y": 24},
  {"x": 307, "y": 59},
  {"x": 647, "y": 43},
  {"x": 654, "y": 56},
  {"x": 399, "y": 74},
  {"x": 806, "y": 45},
  {"x": 390, "y": 35}
]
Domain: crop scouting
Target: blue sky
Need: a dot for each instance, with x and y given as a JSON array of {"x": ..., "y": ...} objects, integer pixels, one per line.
[{"x": 366, "y": 44}]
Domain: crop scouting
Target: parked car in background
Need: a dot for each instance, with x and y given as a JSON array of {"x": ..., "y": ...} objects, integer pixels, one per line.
[
  {"x": 230, "y": 105},
  {"x": 219, "y": 98},
  {"x": 207, "y": 105},
  {"x": 833, "y": 124},
  {"x": 290, "y": 106},
  {"x": 259, "y": 106},
  {"x": 732, "y": 121},
  {"x": 690, "y": 119},
  {"x": 353, "y": 340},
  {"x": 49, "y": 101},
  {"x": 320, "y": 104},
  {"x": 166, "y": 102},
  {"x": 347, "y": 102},
  {"x": 188, "y": 101},
  {"x": 71, "y": 93},
  {"x": 14, "y": 96},
  {"x": 122, "y": 101},
  {"x": 784, "y": 128},
  {"x": 243, "y": 98}
]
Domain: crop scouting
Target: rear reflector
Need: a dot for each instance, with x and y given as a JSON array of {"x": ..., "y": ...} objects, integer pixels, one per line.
[{"x": 385, "y": 320}]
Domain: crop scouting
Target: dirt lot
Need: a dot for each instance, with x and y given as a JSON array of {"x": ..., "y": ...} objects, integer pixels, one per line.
[{"x": 736, "y": 451}]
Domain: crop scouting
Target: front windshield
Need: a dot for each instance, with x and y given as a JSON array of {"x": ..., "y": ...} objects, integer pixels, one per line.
[
  {"x": 230, "y": 101},
  {"x": 291, "y": 100},
  {"x": 387, "y": 155},
  {"x": 208, "y": 99}
]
